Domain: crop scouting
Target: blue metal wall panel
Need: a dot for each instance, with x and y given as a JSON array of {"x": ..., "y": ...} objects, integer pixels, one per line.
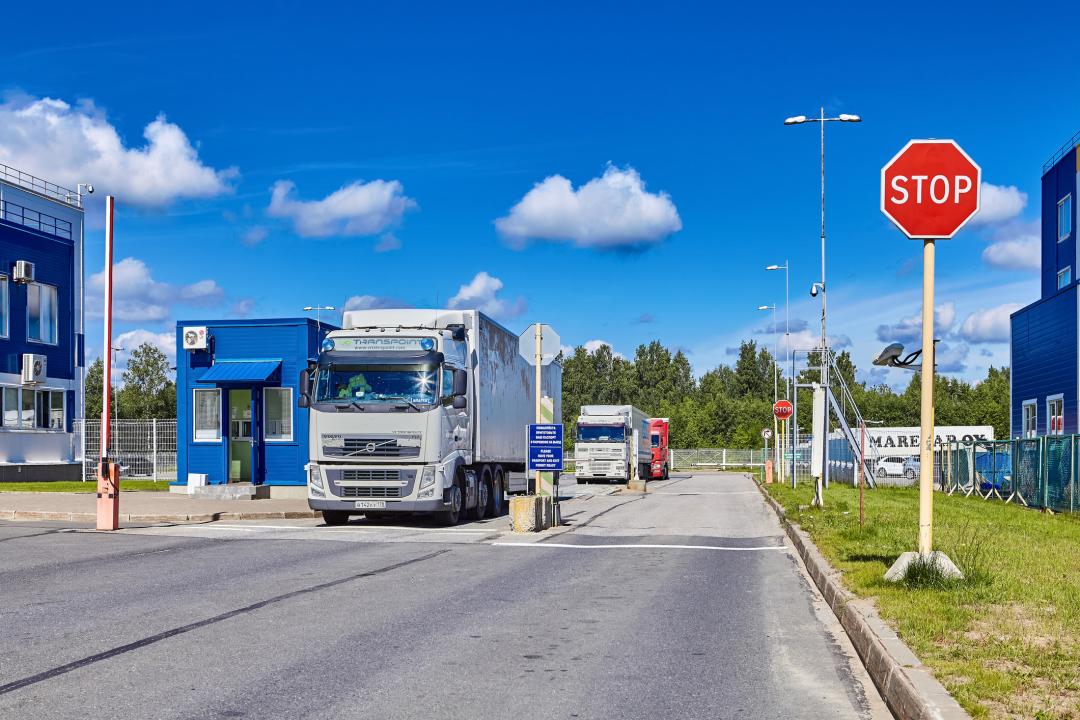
[
  {"x": 54, "y": 264},
  {"x": 1058, "y": 182},
  {"x": 1045, "y": 358}
]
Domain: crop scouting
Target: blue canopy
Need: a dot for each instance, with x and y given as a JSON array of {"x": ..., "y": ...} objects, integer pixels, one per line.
[{"x": 243, "y": 371}]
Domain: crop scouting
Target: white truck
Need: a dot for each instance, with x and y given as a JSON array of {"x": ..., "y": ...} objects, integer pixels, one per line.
[
  {"x": 604, "y": 448},
  {"x": 419, "y": 411}
]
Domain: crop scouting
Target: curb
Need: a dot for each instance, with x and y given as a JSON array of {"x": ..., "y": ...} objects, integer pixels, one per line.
[
  {"x": 129, "y": 518},
  {"x": 908, "y": 687}
]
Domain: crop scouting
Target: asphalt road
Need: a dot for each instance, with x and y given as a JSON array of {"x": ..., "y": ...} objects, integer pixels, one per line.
[{"x": 684, "y": 603}]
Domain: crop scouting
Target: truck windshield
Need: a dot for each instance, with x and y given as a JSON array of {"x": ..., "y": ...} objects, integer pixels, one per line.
[
  {"x": 375, "y": 384},
  {"x": 601, "y": 433},
  {"x": 656, "y": 440}
]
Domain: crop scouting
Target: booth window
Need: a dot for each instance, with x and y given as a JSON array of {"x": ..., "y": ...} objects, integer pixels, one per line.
[
  {"x": 277, "y": 407},
  {"x": 208, "y": 414},
  {"x": 41, "y": 313},
  {"x": 1055, "y": 415},
  {"x": 1064, "y": 217},
  {"x": 1031, "y": 419},
  {"x": 3, "y": 306}
]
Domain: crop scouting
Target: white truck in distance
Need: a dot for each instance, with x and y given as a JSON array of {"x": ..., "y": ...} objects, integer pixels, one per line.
[
  {"x": 604, "y": 448},
  {"x": 419, "y": 411}
]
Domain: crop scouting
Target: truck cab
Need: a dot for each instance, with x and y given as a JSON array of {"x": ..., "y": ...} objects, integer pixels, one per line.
[
  {"x": 658, "y": 442},
  {"x": 605, "y": 449}
]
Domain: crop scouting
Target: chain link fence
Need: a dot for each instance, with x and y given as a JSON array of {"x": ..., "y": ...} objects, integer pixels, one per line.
[
  {"x": 145, "y": 449},
  {"x": 1037, "y": 472}
]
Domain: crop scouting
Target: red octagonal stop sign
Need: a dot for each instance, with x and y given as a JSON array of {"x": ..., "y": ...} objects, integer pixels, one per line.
[
  {"x": 783, "y": 409},
  {"x": 930, "y": 189}
]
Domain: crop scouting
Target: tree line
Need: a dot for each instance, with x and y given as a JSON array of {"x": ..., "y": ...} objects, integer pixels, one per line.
[
  {"x": 729, "y": 406},
  {"x": 147, "y": 391}
]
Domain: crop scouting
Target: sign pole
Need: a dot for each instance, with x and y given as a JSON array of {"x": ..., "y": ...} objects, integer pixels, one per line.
[
  {"x": 539, "y": 370},
  {"x": 926, "y": 414},
  {"x": 108, "y": 484}
]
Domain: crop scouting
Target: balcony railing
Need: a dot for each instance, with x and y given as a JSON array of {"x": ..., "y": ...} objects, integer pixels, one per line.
[
  {"x": 35, "y": 220},
  {"x": 42, "y": 187}
]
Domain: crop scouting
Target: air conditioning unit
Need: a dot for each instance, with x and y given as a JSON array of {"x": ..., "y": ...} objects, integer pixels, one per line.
[
  {"x": 33, "y": 368},
  {"x": 196, "y": 338},
  {"x": 24, "y": 271}
]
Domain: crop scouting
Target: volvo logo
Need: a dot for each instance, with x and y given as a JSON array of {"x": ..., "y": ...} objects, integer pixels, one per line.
[{"x": 370, "y": 447}]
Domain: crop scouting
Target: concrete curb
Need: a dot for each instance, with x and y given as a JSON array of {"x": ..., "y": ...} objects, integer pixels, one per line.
[
  {"x": 128, "y": 518},
  {"x": 908, "y": 687}
]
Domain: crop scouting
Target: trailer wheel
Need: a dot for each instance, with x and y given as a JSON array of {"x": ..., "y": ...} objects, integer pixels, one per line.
[
  {"x": 452, "y": 516},
  {"x": 335, "y": 517},
  {"x": 496, "y": 499},
  {"x": 483, "y": 496}
]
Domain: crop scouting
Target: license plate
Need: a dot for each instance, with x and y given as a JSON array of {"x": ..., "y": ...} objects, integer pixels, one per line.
[{"x": 370, "y": 504}]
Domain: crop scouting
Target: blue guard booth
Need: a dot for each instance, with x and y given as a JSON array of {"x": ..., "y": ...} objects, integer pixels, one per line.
[{"x": 237, "y": 417}]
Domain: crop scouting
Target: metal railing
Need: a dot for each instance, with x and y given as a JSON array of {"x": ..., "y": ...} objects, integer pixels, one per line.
[
  {"x": 719, "y": 458},
  {"x": 42, "y": 187},
  {"x": 1037, "y": 472},
  {"x": 145, "y": 449},
  {"x": 34, "y": 219},
  {"x": 1061, "y": 152}
]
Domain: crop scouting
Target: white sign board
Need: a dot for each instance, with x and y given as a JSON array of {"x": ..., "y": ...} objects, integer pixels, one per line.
[
  {"x": 904, "y": 441},
  {"x": 550, "y": 343},
  {"x": 817, "y": 447}
]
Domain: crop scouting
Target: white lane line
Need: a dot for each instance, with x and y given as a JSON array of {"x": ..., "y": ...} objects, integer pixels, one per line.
[
  {"x": 709, "y": 492},
  {"x": 636, "y": 545},
  {"x": 363, "y": 529}
]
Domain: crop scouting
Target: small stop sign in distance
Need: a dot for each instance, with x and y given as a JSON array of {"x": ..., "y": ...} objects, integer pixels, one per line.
[{"x": 930, "y": 189}]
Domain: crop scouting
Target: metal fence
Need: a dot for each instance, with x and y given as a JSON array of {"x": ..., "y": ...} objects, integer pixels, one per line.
[
  {"x": 1037, "y": 472},
  {"x": 720, "y": 458},
  {"x": 145, "y": 449}
]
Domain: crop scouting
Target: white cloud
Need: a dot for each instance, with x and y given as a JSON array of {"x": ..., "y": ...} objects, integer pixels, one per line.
[
  {"x": 242, "y": 308},
  {"x": 138, "y": 297},
  {"x": 951, "y": 358},
  {"x": 482, "y": 293},
  {"x": 909, "y": 329},
  {"x": 591, "y": 346},
  {"x": 999, "y": 203},
  {"x": 802, "y": 340},
  {"x": 357, "y": 209},
  {"x": 608, "y": 212},
  {"x": 990, "y": 325},
  {"x": 254, "y": 236},
  {"x": 1016, "y": 246},
  {"x": 69, "y": 145},
  {"x": 130, "y": 340},
  {"x": 372, "y": 302},
  {"x": 387, "y": 243}
]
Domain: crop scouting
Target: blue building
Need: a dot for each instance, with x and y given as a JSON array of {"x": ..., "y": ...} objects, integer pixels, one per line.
[
  {"x": 1045, "y": 359},
  {"x": 41, "y": 328},
  {"x": 237, "y": 414}
]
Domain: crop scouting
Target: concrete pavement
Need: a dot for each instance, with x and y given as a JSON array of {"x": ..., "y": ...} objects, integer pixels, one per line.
[{"x": 686, "y": 602}]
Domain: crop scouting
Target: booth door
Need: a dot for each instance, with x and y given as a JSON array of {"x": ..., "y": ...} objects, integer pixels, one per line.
[{"x": 258, "y": 448}]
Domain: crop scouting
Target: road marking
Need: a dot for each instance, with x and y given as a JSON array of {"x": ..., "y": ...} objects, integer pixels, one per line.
[
  {"x": 708, "y": 492},
  {"x": 637, "y": 545},
  {"x": 358, "y": 529}
]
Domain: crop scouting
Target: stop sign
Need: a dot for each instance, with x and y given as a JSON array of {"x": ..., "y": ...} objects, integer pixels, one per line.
[
  {"x": 930, "y": 189},
  {"x": 782, "y": 409}
]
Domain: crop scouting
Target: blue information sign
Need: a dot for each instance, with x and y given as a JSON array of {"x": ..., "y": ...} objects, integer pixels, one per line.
[{"x": 546, "y": 447}]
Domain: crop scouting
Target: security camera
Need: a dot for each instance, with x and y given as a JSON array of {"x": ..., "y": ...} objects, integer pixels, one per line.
[
  {"x": 890, "y": 355},
  {"x": 813, "y": 290},
  {"x": 89, "y": 189}
]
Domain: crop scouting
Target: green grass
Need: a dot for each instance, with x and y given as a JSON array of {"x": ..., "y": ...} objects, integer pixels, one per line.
[
  {"x": 88, "y": 487},
  {"x": 1006, "y": 640}
]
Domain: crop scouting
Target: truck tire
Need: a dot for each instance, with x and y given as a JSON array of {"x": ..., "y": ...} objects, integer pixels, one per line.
[
  {"x": 452, "y": 516},
  {"x": 497, "y": 498},
  {"x": 665, "y": 476},
  {"x": 483, "y": 495},
  {"x": 335, "y": 517}
]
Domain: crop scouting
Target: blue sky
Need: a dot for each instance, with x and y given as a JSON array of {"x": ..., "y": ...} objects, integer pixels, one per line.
[{"x": 265, "y": 159}]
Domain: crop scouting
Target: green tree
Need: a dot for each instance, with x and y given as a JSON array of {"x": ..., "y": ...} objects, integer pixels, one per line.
[
  {"x": 93, "y": 388},
  {"x": 147, "y": 392}
]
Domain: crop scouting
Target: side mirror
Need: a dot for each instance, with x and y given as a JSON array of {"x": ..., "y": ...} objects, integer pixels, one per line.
[
  {"x": 305, "y": 389},
  {"x": 460, "y": 403},
  {"x": 461, "y": 384}
]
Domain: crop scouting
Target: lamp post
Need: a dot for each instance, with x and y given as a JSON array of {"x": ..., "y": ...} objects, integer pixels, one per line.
[
  {"x": 787, "y": 354},
  {"x": 820, "y": 285},
  {"x": 776, "y": 373},
  {"x": 318, "y": 316}
]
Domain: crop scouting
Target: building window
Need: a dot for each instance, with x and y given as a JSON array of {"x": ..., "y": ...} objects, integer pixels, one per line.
[
  {"x": 277, "y": 411},
  {"x": 41, "y": 313},
  {"x": 208, "y": 415},
  {"x": 28, "y": 404},
  {"x": 50, "y": 409},
  {"x": 1065, "y": 277},
  {"x": 1055, "y": 415},
  {"x": 1064, "y": 217},
  {"x": 3, "y": 306},
  {"x": 11, "y": 407},
  {"x": 1030, "y": 426}
]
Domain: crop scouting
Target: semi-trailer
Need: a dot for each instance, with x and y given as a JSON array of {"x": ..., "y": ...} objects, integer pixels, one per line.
[
  {"x": 419, "y": 411},
  {"x": 605, "y": 448}
]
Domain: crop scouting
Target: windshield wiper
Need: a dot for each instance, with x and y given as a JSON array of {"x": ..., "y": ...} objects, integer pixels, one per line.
[{"x": 410, "y": 403}]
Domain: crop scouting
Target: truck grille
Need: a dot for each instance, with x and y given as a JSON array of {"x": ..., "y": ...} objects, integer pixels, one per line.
[
  {"x": 370, "y": 492},
  {"x": 362, "y": 474},
  {"x": 362, "y": 447}
]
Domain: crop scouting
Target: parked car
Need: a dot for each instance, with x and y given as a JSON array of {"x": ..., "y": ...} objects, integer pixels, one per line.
[{"x": 897, "y": 466}]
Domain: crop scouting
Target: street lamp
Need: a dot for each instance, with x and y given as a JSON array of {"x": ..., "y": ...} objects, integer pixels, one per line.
[
  {"x": 821, "y": 119},
  {"x": 787, "y": 345},
  {"x": 318, "y": 315},
  {"x": 775, "y": 394}
]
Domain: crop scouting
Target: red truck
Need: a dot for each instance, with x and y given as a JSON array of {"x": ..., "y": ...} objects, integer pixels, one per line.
[{"x": 658, "y": 440}]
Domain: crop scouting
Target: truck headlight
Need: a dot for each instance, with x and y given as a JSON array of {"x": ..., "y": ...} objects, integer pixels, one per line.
[
  {"x": 427, "y": 483},
  {"x": 315, "y": 478}
]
